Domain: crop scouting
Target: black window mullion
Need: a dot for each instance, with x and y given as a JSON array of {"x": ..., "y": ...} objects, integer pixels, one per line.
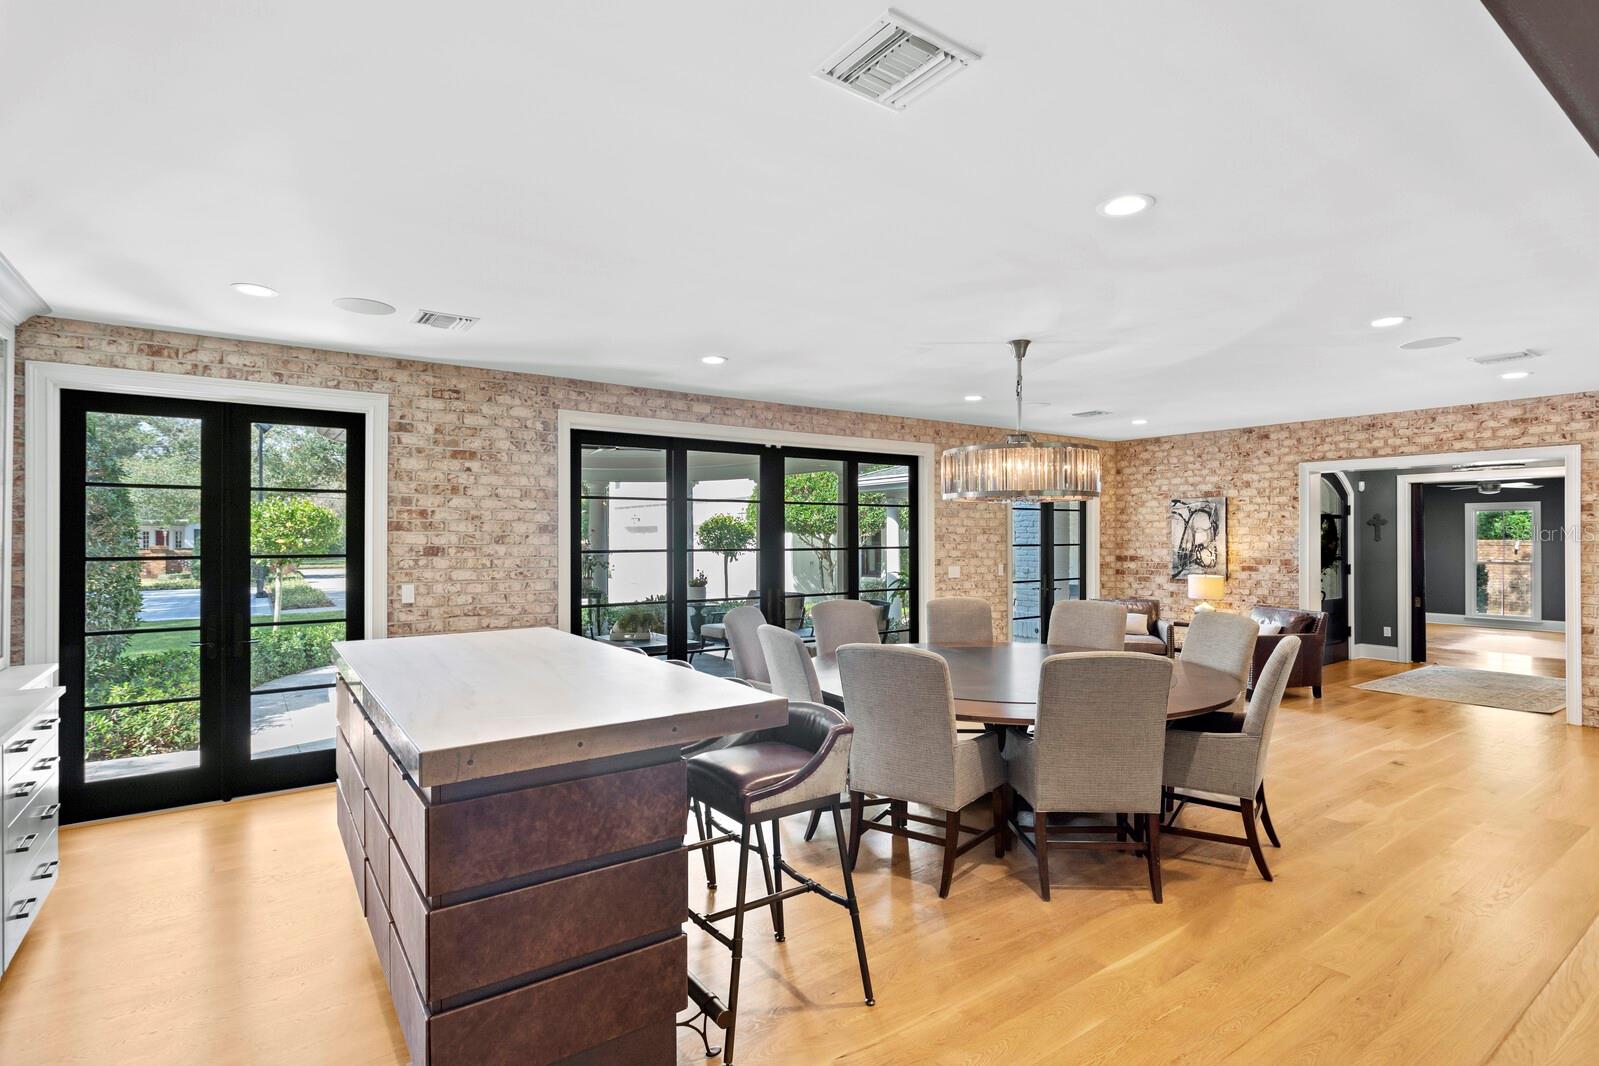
[
  {"x": 849, "y": 528},
  {"x": 677, "y": 553},
  {"x": 769, "y": 536}
]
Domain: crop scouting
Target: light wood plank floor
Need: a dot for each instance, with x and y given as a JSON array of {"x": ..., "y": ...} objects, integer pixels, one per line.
[
  {"x": 1435, "y": 902},
  {"x": 1506, "y": 651}
]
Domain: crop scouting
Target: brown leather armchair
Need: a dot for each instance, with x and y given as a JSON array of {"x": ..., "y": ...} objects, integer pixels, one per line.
[
  {"x": 1157, "y": 640},
  {"x": 1311, "y": 629}
]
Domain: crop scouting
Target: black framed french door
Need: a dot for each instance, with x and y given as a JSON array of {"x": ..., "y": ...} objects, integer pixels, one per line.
[
  {"x": 211, "y": 553},
  {"x": 669, "y": 534},
  {"x": 1049, "y": 562}
]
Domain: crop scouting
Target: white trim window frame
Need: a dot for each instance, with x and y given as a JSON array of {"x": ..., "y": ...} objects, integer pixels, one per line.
[
  {"x": 1476, "y": 508},
  {"x": 43, "y": 384}
]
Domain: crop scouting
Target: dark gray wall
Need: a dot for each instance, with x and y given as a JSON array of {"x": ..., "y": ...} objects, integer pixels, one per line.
[
  {"x": 1444, "y": 537},
  {"x": 1375, "y": 562}
]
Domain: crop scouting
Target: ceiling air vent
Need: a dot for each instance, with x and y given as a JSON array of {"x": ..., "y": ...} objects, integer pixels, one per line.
[
  {"x": 440, "y": 320},
  {"x": 895, "y": 60},
  {"x": 1507, "y": 357},
  {"x": 1089, "y": 414}
]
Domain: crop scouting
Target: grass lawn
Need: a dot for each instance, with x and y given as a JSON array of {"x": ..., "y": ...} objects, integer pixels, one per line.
[{"x": 144, "y": 643}]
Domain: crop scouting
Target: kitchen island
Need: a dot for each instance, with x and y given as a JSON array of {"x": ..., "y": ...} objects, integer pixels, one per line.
[{"x": 512, "y": 804}]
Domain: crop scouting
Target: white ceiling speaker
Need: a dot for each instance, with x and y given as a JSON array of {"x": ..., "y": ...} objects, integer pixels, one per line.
[
  {"x": 362, "y": 306},
  {"x": 440, "y": 320},
  {"x": 895, "y": 60},
  {"x": 1429, "y": 342}
]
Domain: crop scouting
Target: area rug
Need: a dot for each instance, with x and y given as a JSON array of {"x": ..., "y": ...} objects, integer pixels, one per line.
[{"x": 1485, "y": 688}]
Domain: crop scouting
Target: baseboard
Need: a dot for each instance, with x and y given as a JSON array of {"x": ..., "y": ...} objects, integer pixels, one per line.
[
  {"x": 1377, "y": 651},
  {"x": 1546, "y": 626}
]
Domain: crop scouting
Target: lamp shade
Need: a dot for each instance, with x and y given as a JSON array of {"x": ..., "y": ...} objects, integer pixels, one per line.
[{"x": 1206, "y": 586}]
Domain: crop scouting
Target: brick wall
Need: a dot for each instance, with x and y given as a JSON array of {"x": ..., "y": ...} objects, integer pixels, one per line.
[
  {"x": 472, "y": 517},
  {"x": 1257, "y": 470}
]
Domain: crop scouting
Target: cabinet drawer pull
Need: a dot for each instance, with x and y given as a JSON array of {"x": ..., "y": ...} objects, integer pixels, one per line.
[
  {"x": 16, "y": 747},
  {"x": 24, "y": 789},
  {"x": 46, "y": 813},
  {"x": 25, "y": 844},
  {"x": 22, "y": 908},
  {"x": 44, "y": 725},
  {"x": 45, "y": 763},
  {"x": 46, "y": 870}
]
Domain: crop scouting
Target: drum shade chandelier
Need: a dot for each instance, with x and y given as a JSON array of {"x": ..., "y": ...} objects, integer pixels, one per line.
[{"x": 1020, "y": 467}]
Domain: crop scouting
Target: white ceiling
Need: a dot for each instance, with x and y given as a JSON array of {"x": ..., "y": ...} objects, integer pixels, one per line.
[{"x": 618, "y": 189}]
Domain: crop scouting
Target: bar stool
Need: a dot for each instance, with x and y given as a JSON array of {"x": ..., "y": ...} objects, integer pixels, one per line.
[{"x": 790, "y": 769}]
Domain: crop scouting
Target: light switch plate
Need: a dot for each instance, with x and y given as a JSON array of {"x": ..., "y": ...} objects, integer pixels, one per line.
[
  {"x": 407, "y": 594},
  {"x": 1387, "y": 631},
  {"x": 955, "y": 571}
]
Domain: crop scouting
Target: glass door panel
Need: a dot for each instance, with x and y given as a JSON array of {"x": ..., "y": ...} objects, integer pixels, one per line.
[
  {"x": 623, "y": 546},
  {"x": 1502, "y": 577}
]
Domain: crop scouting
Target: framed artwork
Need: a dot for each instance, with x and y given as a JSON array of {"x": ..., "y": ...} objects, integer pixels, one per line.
[{"x": 1199, "y": 536}]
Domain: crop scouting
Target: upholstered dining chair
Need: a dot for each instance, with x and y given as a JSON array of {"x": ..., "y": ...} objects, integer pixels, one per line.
[
  {"x": 959, "y": 620},
  {"x": 907, "y": 750},
  {"x": 1233, "y": 763},
  {"x": 743, "y": 636},
  {"x": 1097, "y": 748},
  {"x": 1225, "y": 642},
  {"x": 788, "y": 664},
  {"x": 1091, "y": 624},
  {"x": 796, "y": 767},
  {"x": 838, "y": 622}
]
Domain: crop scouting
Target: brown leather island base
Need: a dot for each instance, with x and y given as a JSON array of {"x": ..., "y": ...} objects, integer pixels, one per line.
[{"x": 511, "y": 927}]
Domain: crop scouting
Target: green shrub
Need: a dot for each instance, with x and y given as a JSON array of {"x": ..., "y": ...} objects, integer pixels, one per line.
[
  {"x": 299, "y": 594},
  {"x": 128, "y": 732},
  {"x": 292, "y": 649},
  {"x": 167, "y": 582}
]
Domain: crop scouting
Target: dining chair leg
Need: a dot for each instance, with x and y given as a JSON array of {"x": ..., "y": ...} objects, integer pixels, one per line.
[
  {"x": 1152, "y": 852},
  {"x": 816, "y": 820},
  {"x": 738, "y": 944},
  {"x": 897, "y": 810},
  {"x": 1041, "y": 846},
  {"x": 776, "y": 907},
  {"x": 854, "y": 906},
  {"x": 996, "y": 800},
  {"x": 952, "y": 837},
  {"x": 777, "y": 882},
  {"x": 1247, "y": 808},
  {"x": 1265, "y": 816},
  {"x": 857, "y": 814},
  {"x": 700, "y": 821}
]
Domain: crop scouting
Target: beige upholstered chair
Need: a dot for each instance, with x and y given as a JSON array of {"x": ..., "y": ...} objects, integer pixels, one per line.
[
  {"x": 839, "y": 622},
  {"x": 743, "y": 626},
  {"x": 959, "y": 620},
  {"x": 1233, "y": 763},
  {"x": 906, "y": 749},
  {"x": 1224, "y": 642},
  {"x": 788, "y": 663},
  {"x": 1098, "y": 748},
  {"x": 1092, "y": 624}
]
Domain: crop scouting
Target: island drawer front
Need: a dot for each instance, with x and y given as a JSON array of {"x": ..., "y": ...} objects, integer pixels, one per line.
[
  {"x": 353, "y": 852},
  {"x": 555, "y": 1019},
  {"x": 377, "y": 847},
  {"x": 347, "y": 773},
  {"x": 377, "y": 921},
  {"x": 466, "y": 946},
  {"x": 375, "y": 763},
  {"x": 25, "y": 894},
  {"x": 450, "y": 847},
  {"x": 348, "y": 715}
]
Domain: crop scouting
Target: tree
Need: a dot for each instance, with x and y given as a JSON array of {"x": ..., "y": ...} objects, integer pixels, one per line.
[
  {"x": 811, "y": 516},
  {"x": 728, "y": 536},
  {"x": 290, "y": 524}
]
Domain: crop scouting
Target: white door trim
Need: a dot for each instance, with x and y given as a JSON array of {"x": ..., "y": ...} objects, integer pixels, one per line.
[
  {"x": 1562, "y": 459},
  {"x": 567, "y": 421},
  {"x": 43, "y": 385}
]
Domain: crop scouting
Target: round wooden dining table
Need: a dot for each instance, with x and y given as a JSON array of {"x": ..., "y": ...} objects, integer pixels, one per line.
[{"x": 997, "y": 684}]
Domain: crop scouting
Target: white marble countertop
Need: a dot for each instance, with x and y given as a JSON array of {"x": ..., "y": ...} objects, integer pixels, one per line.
[{"x": 458, "y": 707}]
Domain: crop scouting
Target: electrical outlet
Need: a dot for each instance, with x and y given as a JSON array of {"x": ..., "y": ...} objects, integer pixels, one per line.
[
  {"x": 955, "y": 571},
  {"x": 407, "y": 594},
  {"x": 1387, "y": 631}
]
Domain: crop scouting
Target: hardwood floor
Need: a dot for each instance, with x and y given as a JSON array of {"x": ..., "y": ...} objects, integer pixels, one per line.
[
  {"x": 1435, "y": 901},
  {"x": 1509, "y": 651}
]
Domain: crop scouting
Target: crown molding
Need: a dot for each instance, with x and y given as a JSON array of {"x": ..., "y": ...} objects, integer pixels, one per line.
[{"x": 18, "y": 301}]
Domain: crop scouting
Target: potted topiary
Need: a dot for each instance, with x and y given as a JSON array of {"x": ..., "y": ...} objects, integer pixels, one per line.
[
  {"x": 633, "y": 624},
  {"x": 696, "y": 586}
]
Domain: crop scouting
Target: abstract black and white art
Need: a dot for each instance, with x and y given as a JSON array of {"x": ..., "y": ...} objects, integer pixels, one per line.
[{"x": 1199, "y": 536}]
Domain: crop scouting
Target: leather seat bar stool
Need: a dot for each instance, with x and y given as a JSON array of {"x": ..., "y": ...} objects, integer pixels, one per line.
[{"x": 762, "y": 776}]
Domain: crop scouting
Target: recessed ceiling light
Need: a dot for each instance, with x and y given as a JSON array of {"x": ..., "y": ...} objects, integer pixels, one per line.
[
  {"x": 974, "y": 398},
  {"x": 250, "y": 288},
  {"x": 1429, "y": 342},
  {"x": 1140, "y": 421},
  {"x": 362, "y": 306},
  {"x": 1127, "y": 204},
  {"x": 713, "y": 360},
  {"x": 1389, "y": 321},
  {"x": 1515, "y": 375}
]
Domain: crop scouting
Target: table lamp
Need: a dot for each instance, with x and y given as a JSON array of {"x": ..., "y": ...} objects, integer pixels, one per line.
[{"x": 1204, "y": 588}]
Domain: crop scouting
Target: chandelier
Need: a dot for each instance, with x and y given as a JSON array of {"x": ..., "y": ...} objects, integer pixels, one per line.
[{"x": 1020, "y": 467}]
